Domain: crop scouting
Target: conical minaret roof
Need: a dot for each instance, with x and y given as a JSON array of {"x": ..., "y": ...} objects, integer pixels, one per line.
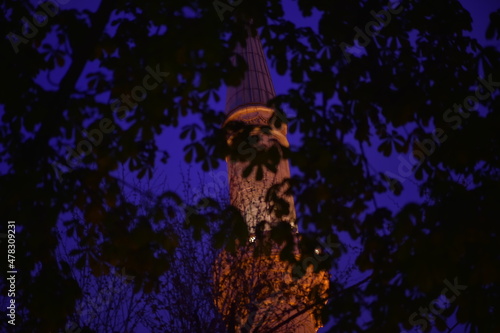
[{"x": 256, "y": 88}]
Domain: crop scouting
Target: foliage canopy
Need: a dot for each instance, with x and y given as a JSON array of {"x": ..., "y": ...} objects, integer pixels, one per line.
[{"x": 389, "y": 95}]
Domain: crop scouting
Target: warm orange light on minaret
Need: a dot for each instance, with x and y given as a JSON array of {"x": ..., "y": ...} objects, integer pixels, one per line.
[
  {"x": 247, "y": 103},
  {"x": 258, "y": 292}
]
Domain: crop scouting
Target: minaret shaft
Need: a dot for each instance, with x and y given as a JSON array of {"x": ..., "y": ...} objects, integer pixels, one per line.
[
  {"x": 247, "y": 103},
  {"x": 258, "y": 293},
  {"x": 248, "y": 194}
]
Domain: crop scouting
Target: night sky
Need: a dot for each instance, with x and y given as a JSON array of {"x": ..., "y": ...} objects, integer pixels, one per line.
[
  {"x": 177, "y": 170},
  {"x": 170, "y": 141}
]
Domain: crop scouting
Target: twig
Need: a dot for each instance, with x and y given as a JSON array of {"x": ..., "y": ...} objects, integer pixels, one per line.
[{"x": 320, "y": 301}]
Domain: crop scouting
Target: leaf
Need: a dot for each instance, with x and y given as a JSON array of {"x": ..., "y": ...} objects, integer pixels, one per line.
[
  {"x": 385, "y": 147},
  {"x": 80, "y": 262},
  {"x": 247, "y": 171},
  {"x": 189, "y": 156},
  {"x": 141, "y": 173},
  {"x": 260, "y": 173}
]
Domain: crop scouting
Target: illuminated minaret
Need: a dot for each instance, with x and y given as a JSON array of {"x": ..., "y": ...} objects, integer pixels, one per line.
[
  {"x": 257, "y": 293},
  {"x": 247, "y": 103}
]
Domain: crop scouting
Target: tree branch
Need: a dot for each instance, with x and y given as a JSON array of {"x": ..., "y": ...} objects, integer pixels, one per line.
[{"x": 319, "y": 302}]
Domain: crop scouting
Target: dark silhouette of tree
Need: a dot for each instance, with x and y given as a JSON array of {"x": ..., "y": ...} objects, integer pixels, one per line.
[
  {"x": 192, "y": 295},
  {"x": 414, "y": 86}
]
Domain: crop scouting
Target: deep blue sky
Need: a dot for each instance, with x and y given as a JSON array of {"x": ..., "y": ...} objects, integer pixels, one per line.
[
  {"x": 171, "y": 142},
  {"x": 479, "y": 10}
]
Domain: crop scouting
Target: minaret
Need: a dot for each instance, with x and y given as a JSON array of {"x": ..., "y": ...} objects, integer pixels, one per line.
[
  {"x": 247, "y": 103},
  {"x": 255, "y": 293}
]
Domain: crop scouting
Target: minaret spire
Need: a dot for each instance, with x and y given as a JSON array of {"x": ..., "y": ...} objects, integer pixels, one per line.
[{"x": 256, "y": 88}]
